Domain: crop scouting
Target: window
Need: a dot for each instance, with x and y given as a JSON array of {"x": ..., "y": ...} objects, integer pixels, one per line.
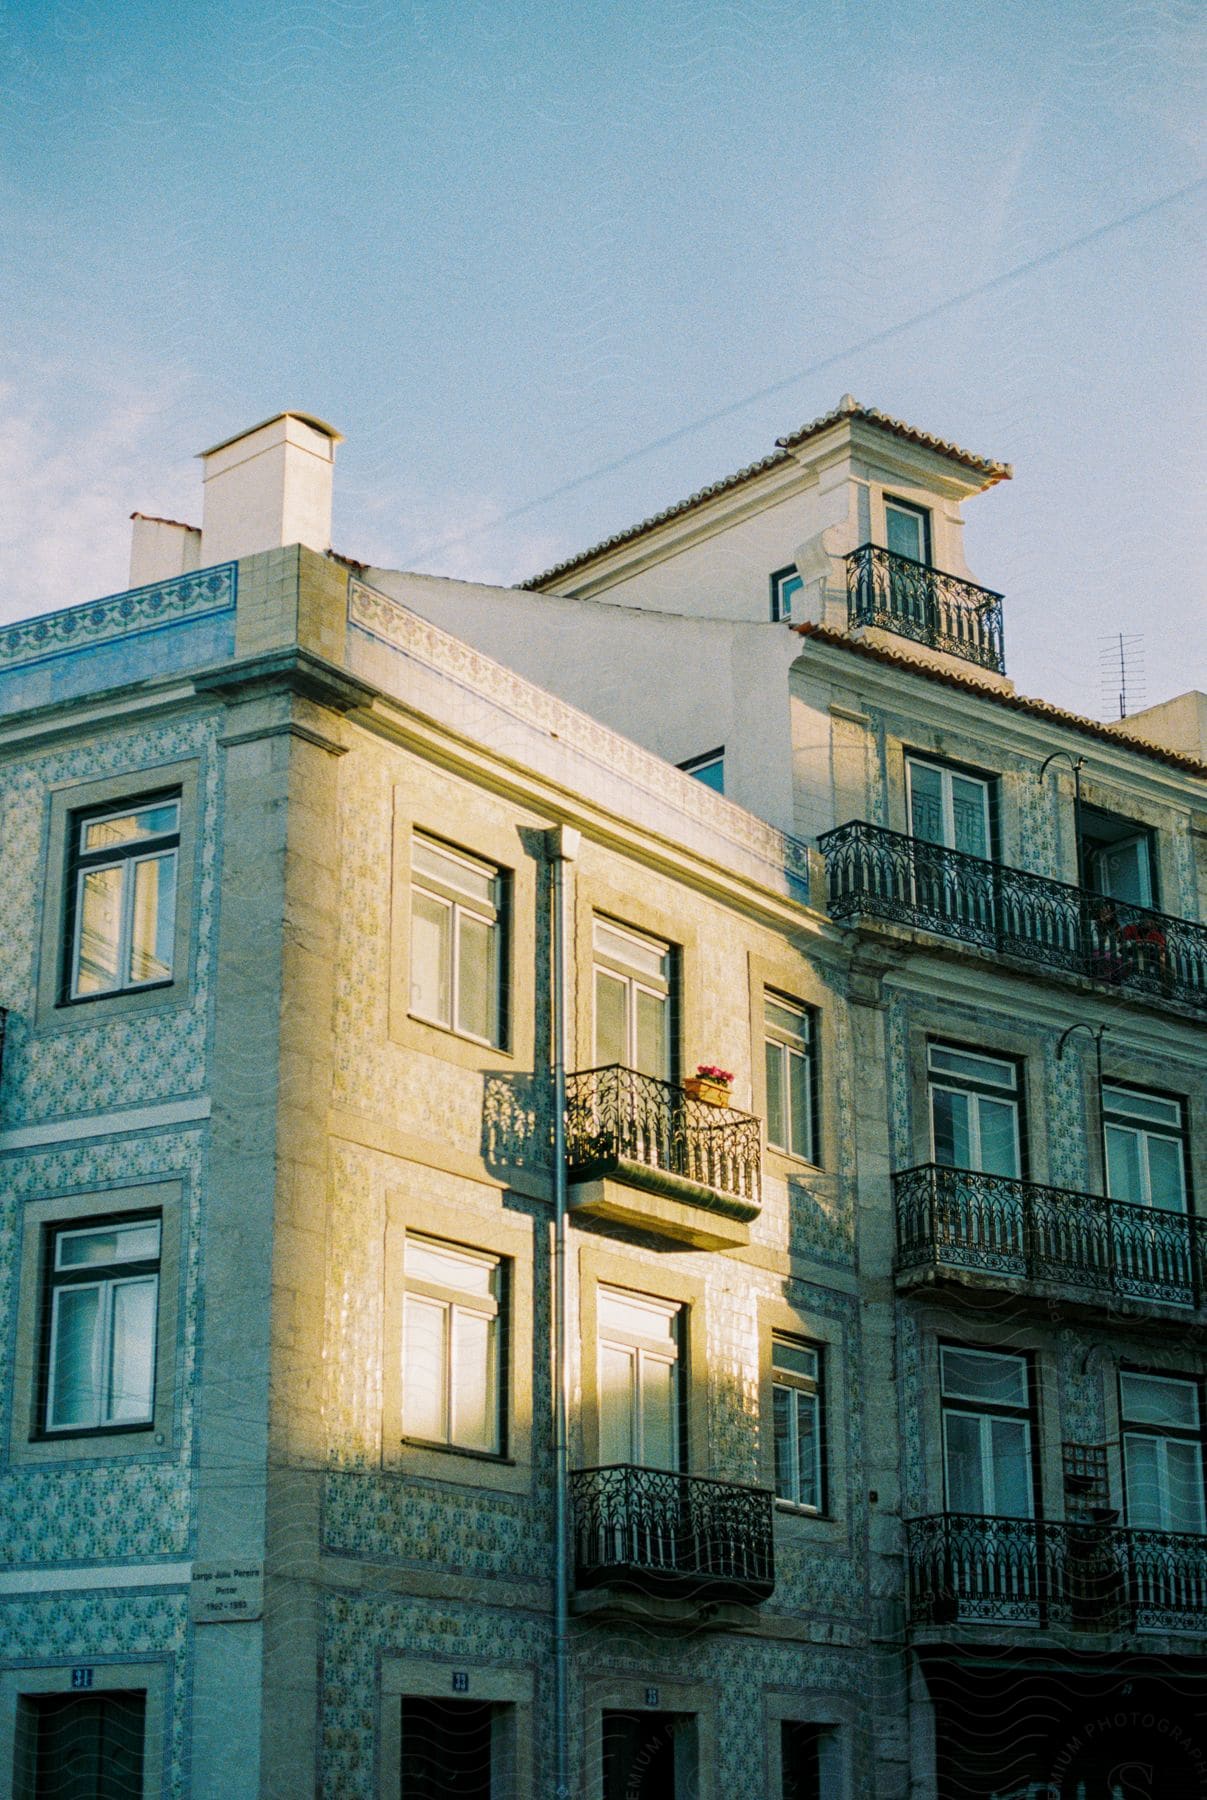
[
  {"x": 810, "y": 1761},
  {"x": 456, "y": 942},
  {"x": 791, "y": 1087},
  {"x": 77, "y": 1745},
  {"x": 785, "y": 585},
  {"x": 1117, "y": 857},
  {"x": 100, "y": 1325},
  {"x": 710, "y": 769},
  {"x": 1162, "y": 1423},
  {"x": 907, "y": 530},
  {"x": 796, "y": 1400},
  {"x": 948, "y": 807},
  {"x": 632, "y": 1001},
  {"x": 640, "y": 1394},
  {"x": 987, "y": 1457},
  {"x": 974, "y": 1111},
  {"x": 1145, "y": 1147},
  {"x": 453, "y": 1346},
  {"x": 122, "y": 899}
]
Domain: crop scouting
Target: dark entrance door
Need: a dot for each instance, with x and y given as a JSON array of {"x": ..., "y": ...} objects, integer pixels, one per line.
[
  {"x": 88, "y": 1746},
  {"x": 649, "y": 1756},
  {"x": 446, "y": 1749},
  {"x": 1127, "y": 1761}
]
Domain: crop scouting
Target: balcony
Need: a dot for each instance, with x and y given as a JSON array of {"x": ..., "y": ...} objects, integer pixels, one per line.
[
  {"x": 897, "y": 594},
  {"x": 961, "y": 1223},
  {"x": 880, "y": 874},
  {"x": 676, "y": 1536},
  {"x": 968, "y": 1569},
  {"x": 643, "y": 1153}
]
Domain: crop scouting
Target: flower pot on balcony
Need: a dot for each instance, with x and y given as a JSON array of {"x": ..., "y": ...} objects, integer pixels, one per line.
[{"x": 714, "y": 1093}]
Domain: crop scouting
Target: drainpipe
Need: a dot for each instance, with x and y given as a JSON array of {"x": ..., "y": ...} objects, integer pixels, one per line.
[{"x": 563, "y": 842}]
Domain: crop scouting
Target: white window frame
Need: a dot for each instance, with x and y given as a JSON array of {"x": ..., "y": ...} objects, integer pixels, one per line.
[
  {"x": 802, "y": 1390},
  {"x": 802, "y": 1046},
  {"x": 666, "y": 1351},
  {"x": 985, "y": 1411},
  {"x": 1162, "y": 1435},
  {"x": 104, "y": 1279},
  {"x": 923, "y": 515},
  {"x": 635, "y": 979},
  {"x": 1115, "y": 1117},
  {"x": 947, "y": 802},
  {"x": 457, "y": 1303},
  {"x": 783, "y": 592},
  {"x": 939, "y": 1080},
  {"x": 461, "y": 903},
  {"x": 163, "y": 847}
]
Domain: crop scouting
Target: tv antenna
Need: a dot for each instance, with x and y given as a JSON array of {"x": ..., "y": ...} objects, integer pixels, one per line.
[{"x": 1121, "y": 672}]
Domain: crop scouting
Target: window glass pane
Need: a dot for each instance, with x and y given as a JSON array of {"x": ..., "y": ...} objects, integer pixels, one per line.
[
  {"x": 153, "y": 918},
  {"x": 795, "y": 1359},
  {"x": 451, "y": 871},
  {"x": 808, "y": 1451},
  {"x": 132, "y": 1350},
  {"x": 1010, "y": 1450},
  {"x": 426, "y": 1261},
  {"x": 965, "y": 1473},
  {"x": 611, "y": 1026},
  {"x": 1152, "y": 1399},
  {"x": 1155, "y": 1109},
  {"x": 99, "y": 927},
  {"x": 981, "y": 1375},
  {"x": 712, "y": 774},
  {"x": 1124, "y": 1178},
  {"x": 1122, "y": 871},
  {"x": 431, "y": 958},
  {"x": 658, "y": 1433},
  {"x": 131, "y": 827},
  {"x": 968, "y": 813},
  {"x": 787, "y": 1021},
  {"x": 785, "y": 1444},
  {"x": 952, "y": 1137},
  {"x": 999, "y": 1136},
  {"x": 617, "y": 1368},
  {"x": 926, "y": 803},
  {"x": 1145, "y": 1508},
  {"x": 1166, "y": 1178},
  {"x": 651, "y": 1034},
  {"x": 476, "y": 984},
  {"x": 630, "y": 951},
  {"x": 777, "y": 1118},
  {"x": 107, "y": 1244},
  {"x": 904, "y": 533},
  {"x": 475, "y": 1405},
  {"x": 1184, "y": 1480},
  {"x": 989, "y": 1071},
  {"x": 423, "y": 1368},
  {"x": 75, "y": 1373},
  {"x": 799, "y": 1107},
  {"x": 627, "y": 1315}
]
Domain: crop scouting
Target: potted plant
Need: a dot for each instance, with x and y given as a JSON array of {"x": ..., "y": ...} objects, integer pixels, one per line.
[{"x": 710, "y": 1084}]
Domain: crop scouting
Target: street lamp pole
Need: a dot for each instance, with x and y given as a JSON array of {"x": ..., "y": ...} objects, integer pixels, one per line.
[{"x": 1076, "y": 763}]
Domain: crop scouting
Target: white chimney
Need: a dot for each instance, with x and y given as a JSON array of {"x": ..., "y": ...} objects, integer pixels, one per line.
[
  {"x": 161, "y": 549},
  {"x": 267, "y": 487}
]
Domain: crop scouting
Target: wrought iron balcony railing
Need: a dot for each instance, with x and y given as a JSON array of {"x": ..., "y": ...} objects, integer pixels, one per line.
[
  {"x": 965, "y": 1568},
  {"x": 617, "y": 1118},
  {"x": 886, "y": 875},
  {"x": 915, "y": 601},
  {"x": 1092, "y": 1247},
  {"x": 677, "y": 1535}
]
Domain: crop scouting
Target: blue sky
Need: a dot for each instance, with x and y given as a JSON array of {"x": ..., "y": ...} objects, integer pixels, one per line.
[{"x": 503, "y": 245}]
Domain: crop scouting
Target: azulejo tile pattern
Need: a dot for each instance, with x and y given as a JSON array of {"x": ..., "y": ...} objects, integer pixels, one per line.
[
  {"x": 118, "y": 615},
  {"x": 130, "y": 1061},
  {"x": 139, "y": 1508}
]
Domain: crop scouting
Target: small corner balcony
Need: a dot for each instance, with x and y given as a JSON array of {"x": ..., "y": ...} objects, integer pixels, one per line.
[
  {"x": 1079, "y": 1575},
  {"x": 670, "y": 1536},
  {"x": 895, "y": 593},
  {"x": 874, "y": 873},
  {"x": 646, "y": 1154},
  {"x": 992, "y": 1230}
]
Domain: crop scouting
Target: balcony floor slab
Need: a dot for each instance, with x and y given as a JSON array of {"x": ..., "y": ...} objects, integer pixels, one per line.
[{"x": 668, "y": 1206}]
